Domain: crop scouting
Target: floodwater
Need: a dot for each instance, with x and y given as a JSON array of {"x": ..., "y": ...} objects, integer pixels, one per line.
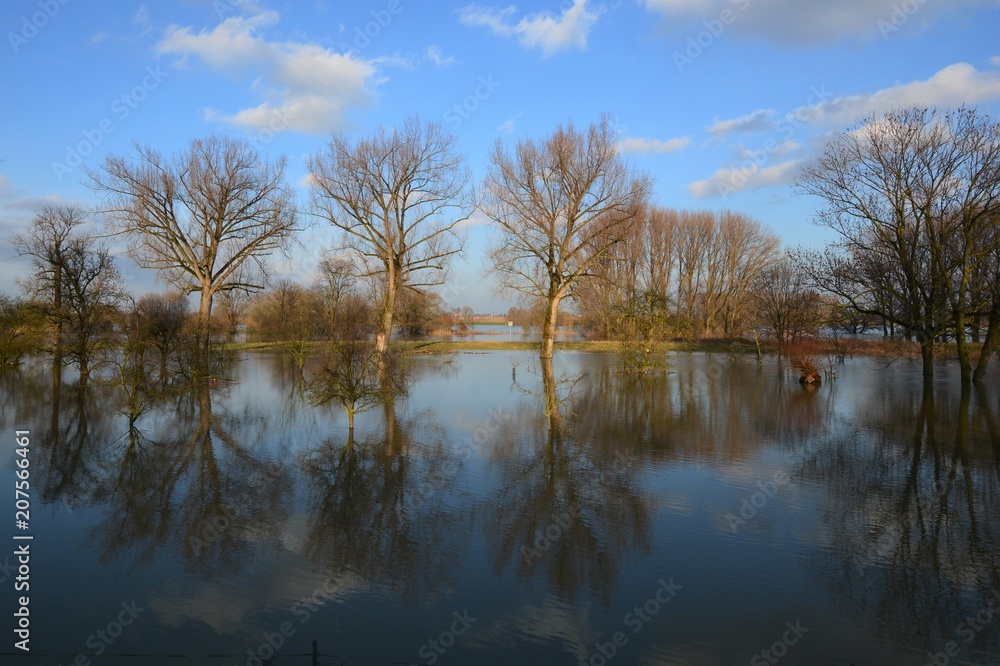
[{"x": 716, "y": 513}]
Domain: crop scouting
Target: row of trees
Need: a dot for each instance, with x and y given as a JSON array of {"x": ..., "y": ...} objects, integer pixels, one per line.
[
  {"x": 679, "y": 273},
  {"x": 912, "y": 194}
]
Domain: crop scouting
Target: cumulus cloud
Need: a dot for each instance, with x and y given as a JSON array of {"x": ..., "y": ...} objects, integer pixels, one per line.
[
  {"x": 307, "y": 87},
  {"x": 547, "y": 31},
  {"x": 651, "y": 146},
  {"x": 804, "y": 23},
  {"x": 752, "y": 176},
  {"x": 954, "y": 85}
]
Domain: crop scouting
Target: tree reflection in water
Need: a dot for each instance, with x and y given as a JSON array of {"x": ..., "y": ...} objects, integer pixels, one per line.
[
  {"x": 192, "y": 486},
  {"x": 368, "y": 516},
  {"x": 910, "y": 511},
  {"x": 563, "y": 512}
]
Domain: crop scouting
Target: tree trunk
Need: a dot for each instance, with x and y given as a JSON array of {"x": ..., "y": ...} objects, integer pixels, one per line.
[
  {"x": 204, "y": 327},
  {"x": 962, "y": 347},
  {"x": 385, "y": 318},
  {"x": 549, "y": 325},
  {"x": 989, "y": 341},
  {"x": 927, "y": 355},
  {"x": 57, "y": 279},
  {"x": 552, "y": 407},
  {"x": 84, "y": 363}
]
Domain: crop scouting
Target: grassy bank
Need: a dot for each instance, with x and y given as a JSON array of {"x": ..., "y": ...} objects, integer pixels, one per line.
[{"x": 814, "y": 347}]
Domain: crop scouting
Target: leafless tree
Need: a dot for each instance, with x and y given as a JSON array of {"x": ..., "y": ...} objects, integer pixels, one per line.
[
  {"x": 336, "y": 281},
  {"x": 914, "y": 195},
  {"x": 559, "y": 206},
  {"x": 785, "y": 302},
  {"x": 74, "y": 281},
  {"x": 398, "y": 197},
  {"x": 47, "y": 242},
  {"x": 207, "y": 217}
]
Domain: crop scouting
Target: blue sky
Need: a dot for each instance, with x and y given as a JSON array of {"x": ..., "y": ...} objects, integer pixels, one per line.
[{"x": 719, "y": 100}]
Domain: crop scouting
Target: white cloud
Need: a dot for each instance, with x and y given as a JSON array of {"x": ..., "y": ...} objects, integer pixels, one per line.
[
  {"x": 954, "y": 85},
  {"x": 308, "y": 88},
  {"x": 547, "y": 31},
  {"x": 649, "y": 146},
  {"x": 805, "y": 23},
  {"x": 752, "y": 176},
  {"x": 757, "y": 121},
  {"x": 435, "y": 56},
  {"x": 679, "y": 6}
]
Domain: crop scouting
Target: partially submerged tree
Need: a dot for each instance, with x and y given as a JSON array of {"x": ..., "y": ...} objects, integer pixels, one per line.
[
  {"x": 161, "y": 320},
  {"x": 47, "y": 242},
  {"x": 94, "y": 292},
  {"x": 558, "y": 206},
  {"x": 398, "y": 196},
  {"x": 354, "y": 375},
  {"x": 74, "y": 282},
  {"x": 207, "y": 218}
]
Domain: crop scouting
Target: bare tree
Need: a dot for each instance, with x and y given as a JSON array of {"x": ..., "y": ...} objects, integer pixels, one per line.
[
  {"x": 93, "y": 294},
  {"x": 206, "y": 218},
  {"x": 398, "y": 197},
  {"x": 559, "y": 205},
  {"x": 742, "y": 250},
  {"x": 335, "y": 282},
  {"x": 161, "y": 319},
  {"x": 785, "y": 302},
  {"x": 47, "y": 242},
  {"x": 914, "y": 195},
  {"x": 74, "y": 282}
]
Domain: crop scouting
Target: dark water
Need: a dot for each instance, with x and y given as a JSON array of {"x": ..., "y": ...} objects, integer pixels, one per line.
[{"x": 699, "y": 517}]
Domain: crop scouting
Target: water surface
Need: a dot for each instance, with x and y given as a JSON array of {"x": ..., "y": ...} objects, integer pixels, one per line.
[{"x": 697, "y": 516}]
